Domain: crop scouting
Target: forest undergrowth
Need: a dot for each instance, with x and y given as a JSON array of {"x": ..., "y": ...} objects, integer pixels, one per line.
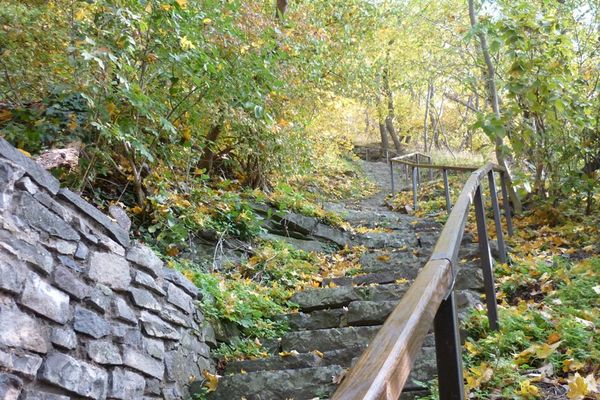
[{"x": 548, "y": 302}]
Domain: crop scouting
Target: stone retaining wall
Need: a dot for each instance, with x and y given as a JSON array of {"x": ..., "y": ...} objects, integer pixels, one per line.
[{"x": 84, "y": 313}]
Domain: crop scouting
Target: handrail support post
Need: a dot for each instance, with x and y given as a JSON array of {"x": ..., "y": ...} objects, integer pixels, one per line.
[
  {"x": 392, "y": 176},
  {"x": 447, "y": 190},
  {"x": 415, "y": 173},
  {"x": 448, "y": 351},
  {"x": 486, "y": 259},
  {"x": 497, "y": 220},
  {"x": 506, "y": 203}
]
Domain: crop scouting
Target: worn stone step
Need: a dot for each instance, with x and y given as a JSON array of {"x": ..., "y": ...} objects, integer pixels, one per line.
[
  {"x": 328, "y": 339},
  {"x": 337, "y": 297},
  {"x": 364, "y": 313},
  {"x": 296, "y": 384},
  {"x": 319, "y": 319},
  {"x": 367, "y": 279},
  {"x": 278, "y": 362}
]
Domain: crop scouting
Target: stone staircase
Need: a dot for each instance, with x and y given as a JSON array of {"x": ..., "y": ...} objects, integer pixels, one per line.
[{"x": 335, "y": 323}]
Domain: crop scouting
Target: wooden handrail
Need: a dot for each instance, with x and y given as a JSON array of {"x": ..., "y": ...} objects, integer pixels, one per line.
[{"x": 382, "y": 370}]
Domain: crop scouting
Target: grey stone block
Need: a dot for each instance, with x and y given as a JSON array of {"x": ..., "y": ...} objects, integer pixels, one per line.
[
  {"x": 126, "y": 385},
  {"x": 21, "y": 362},
  {"x": 177, "y": 278},
  {"x": 61, "y": 246},
  {"x": 123, "y": 311},
  {"x": 104, "y": 352},
  {"x": 144, "y": 299},
  {"x": 26, "y": 184},
  {"x": 52, "y": 205},
  {"x": 36, "y": 255},
  {"x": 34, "y": 170},
  {"x": 148, "y": 282},
  {"x": 70, "y": 283},
  {"x": 154, "y": 347},
  {"x": 156, "y": 327},
  {"x": 21, "y": 331},
  {"x": 34, "y": 214},
  {"x": 179, "y": 298},
  {"x": 70, "y": 263},
  {"x": 10, "y": 385},
  {"x": 45, "y": 300},
  {"x": 100, "y": 298},
  {"x": 36, "y": 395},
  {"x": 114, "y": 230},
  {"x": 143, "y": 363},
  {"x": 110, "y": 269},
  {"x": 146, "y": 258},
  {"x": 82, "y": 251},
  {"x": 173, "y": 315},
  {"x": 12, "y": 276},
  {"x": 76, "y": 376},
  {"x": 127, "y": 334},
  {"x": 64, "y": 337},
  {"x": 120, "y": 216},
  {"x": 90, "y": 323}
]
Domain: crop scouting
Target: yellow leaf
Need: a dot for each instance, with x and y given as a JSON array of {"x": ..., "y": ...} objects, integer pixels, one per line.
[
  {"x": 207, "y": 21},
  {"x": 212, "y": 381},
  {"x": 292, "y": 353},
  {"x": 28, "y": 154},
  {"x": 578, "y": 387},
  {"x": 545, "y": 350},
  {"x": 471, "y": 348},
  {"x": 182, "y": 3},
  {"x": 148, "y": 8},
  {"x": 332, "y": 284},
  {"x": 318, "y": 353},
  {"x": 137, "y": 210},
  {"x": 384, "y": 257},
  {"x": 186, "y": 44},
  {"x": 80, "y": 14},
  {"x": 553, "y": 338},
  {"x": 528, "y": 390},
  {"x": 166, "y": 7}
]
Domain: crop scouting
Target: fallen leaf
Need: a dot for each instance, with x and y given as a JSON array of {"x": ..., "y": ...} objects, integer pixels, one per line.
[{"x": 212, "y": 380}]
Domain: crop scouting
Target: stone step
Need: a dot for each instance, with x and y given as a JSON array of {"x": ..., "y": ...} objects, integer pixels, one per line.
[
  {"x": 364, "y": 313},
  {"x": 296, "y": 384},
  {"x": 338, "y": 297},
  {"x": 367, "y": 279},
  {"x": 328, "y": 339}
]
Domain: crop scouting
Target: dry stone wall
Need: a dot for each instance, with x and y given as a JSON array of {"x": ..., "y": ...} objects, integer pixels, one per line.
[{"x": 85, "y": 313}]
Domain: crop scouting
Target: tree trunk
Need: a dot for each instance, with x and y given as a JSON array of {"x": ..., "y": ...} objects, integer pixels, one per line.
[
  {"x": 281, "y": 9},
  {"x": 389, "y": 119},
  {"x": 382, "y": 129},
  {"x": 493, "y": 95},
  {"x": 427, "y": 101}
]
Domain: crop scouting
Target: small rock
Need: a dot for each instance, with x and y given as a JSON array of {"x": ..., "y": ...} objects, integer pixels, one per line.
[
  {"x": 123, "y": 311},
  {"x": 35, "y": 395},
  {"x": 120, "y": 216},
  {"x": 76, "y": 376},
  {"x": 156, "y": 327},
  {"x": 142, "y": 362},
  {"x": 145, "y": 257},
  {"x": 148, "y": 282},
  {"x": 46, "y": 300},
  {"x": 10, "y": 386},
  {"x": 90, "y": 323},
  {"x": 126, "y": 385},
  {"x": 82, "y": 251},
  {"x": 39, "y": 217},
  {"x": 110, "y": 269},
  {"x": 36, "y": 255},
  {"x": 179, "y": 298},
  {"x": 12, "y": 277},
  {"x": 104, "y": 352},
  {"x": 70, "y": 263},
  {"x": 184, "y": 283},
  {"x": 144, "y": 299},
  {"x": 21, "y": 331},
  {"x": 26, "y": 184},
  {"x": 67, "y": 281},
  {"x": 62, "y": 246},
  {"x": 154, "y": 347},
  {"x": 100, "y": 298},
  {"x": 24, "y": 363},
  {"x": 64, "y": 337}
]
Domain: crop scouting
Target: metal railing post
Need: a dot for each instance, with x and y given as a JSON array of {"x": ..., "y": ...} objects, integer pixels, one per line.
[
  {"x": 417, "y": 162},
  {"x": 447, "y": 190},
  {"x": 414, "y": 186},
  {"x": 497, "y": 219},
  {"x": 430, "y": 169},
  {"x": 392, "y": 176},
  {"x": 448, "y": 351},
  {"x": 486, "y": 259},
  {"x": 506, "y": 202}
]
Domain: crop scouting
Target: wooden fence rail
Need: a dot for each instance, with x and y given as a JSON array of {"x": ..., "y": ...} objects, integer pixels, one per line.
[{"x": 382, "y": 370}]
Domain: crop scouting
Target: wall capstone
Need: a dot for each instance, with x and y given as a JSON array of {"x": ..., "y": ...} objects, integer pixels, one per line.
[{"x": 85, "y": 313}]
